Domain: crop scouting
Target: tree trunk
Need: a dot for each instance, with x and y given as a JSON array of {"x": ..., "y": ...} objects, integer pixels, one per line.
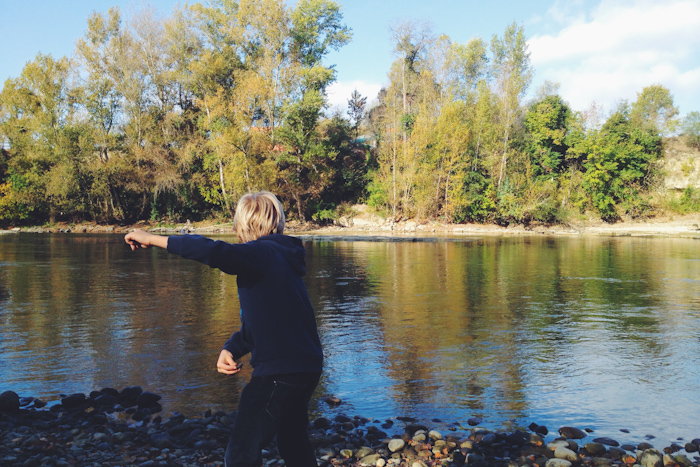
[{"x": 223, "y": 186}]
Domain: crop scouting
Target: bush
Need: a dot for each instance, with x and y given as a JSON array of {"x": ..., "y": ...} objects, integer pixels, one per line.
[{"x": 691, "y": 129}]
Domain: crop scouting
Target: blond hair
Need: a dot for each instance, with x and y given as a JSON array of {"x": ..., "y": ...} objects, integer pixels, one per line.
[{"x": 258, "y": 214}]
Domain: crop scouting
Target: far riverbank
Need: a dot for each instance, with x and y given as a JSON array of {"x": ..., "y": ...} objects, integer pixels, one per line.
[{"x": 679, "y": 226}]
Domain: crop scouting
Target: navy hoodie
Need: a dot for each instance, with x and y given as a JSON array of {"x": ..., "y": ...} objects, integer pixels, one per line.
[{"x": 278, "y": 326}]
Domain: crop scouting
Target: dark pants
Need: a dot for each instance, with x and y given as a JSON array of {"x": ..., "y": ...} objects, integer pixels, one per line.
[{"x": 269, "y": 406}]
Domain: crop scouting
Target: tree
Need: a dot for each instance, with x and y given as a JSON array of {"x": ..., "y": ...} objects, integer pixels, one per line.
[
  {"x": 691, "y": 129},
  {"x": 356, "y": 110},
  {"x": 618, "y": 165},
  {"x": 39, "y": 125},
  {"x": 512, "y": 73},
  {"x": 654, "y": 110},
  {"x": 467, "y": 65},
  {"x": 547, "y": 122},
  {"x": 316, "y": 28}
]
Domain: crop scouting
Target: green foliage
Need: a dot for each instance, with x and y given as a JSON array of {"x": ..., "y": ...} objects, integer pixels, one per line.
[
  {"x": 322, "y": 212},
  {"x": 654, "y": 110},
  {"x": 618, "y": 165},
  {"x": 547, "y": 122},
  {"x": 479, "y": 202},
  {"x": 407, "y": 122},
  {"x": 175, "y": 119},
  {"x": 691, "y": 129}
]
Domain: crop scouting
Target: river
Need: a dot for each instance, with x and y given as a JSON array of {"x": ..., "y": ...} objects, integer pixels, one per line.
[{"x": 593, "y": 332}]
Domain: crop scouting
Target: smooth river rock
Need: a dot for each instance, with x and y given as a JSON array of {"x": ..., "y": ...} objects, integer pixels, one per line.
[
  {"x": 9, "y": 401},
  {"x": 396, "y": 444},
  {"x": 651, "y": 458},
  {"x": 566, "y": 454},
  {"x": 570, "y": 432},
  {"x": 557, "y": 463}
]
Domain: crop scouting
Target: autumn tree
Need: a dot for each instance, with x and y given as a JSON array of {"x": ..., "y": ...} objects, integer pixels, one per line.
[
  {"x": 316, "y": 29},
  {"x": 43, "y": 159},
  {"x": 356, "y": 110},
  {"x": 654, "y": 110},
  {"x": 512, "y": 74},
  {"x": 691, "y": 129}
]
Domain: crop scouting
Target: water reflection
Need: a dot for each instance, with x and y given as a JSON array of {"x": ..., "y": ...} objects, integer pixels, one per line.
[{"x": 586, "y": 331}]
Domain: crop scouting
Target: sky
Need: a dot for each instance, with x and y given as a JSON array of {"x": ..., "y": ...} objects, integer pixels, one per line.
[{"x": 601, "y": 51}]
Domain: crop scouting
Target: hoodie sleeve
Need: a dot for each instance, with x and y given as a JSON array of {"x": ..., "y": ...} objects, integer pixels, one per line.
[
  {"x": 236, "y": 259},
  {"x": 237, "y": 345}
]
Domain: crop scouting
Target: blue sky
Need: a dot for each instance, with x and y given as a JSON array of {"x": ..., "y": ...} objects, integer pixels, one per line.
[{"x": 598, "y": 50}]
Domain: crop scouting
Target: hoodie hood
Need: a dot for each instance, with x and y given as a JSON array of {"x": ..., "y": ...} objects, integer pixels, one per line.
[{"x": 290, "y": 247}]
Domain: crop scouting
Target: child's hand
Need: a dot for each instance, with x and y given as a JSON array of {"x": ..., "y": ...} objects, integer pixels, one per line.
[
  {"x": 141, "y": 239},
  {"x": 226, "y": 364}
]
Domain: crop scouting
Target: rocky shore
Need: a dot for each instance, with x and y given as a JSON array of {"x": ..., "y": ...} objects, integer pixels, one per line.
[
  {"x": 126, "y": 428},
  {"x": 365, "y": 223}
]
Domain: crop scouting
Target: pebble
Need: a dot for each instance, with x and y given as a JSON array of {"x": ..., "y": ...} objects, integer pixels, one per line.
[
  {"x": 396, "y": 445},
  {"x": 557, "y": 463},
  {"x": 110, "y": 428},
  {"x": 566, "y": 454},
  {"x": 606, "y": 441},
  {"x": 595, "y": 449},
  {"x": 651, "y": 458},
  {"x": 553, "y": 445},
  {"x": 370, "y": 460},
  {"x": 569, "y": 432}
]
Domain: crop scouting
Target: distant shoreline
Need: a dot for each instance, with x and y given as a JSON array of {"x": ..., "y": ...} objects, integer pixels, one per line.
[{"x": 677, "y": 227}]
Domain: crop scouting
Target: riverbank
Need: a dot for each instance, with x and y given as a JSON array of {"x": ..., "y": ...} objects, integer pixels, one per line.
[
  {"x": 127, "y": 428},
  {"x": 364, "y": 224}
]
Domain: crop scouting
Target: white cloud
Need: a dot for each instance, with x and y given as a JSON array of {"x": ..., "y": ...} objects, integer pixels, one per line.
[
  {"x": 621, "y": 46},
  {"x": 339, "y": 93}
]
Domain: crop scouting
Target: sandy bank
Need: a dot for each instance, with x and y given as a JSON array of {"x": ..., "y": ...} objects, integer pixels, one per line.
[{"x": 364, "y": 225}]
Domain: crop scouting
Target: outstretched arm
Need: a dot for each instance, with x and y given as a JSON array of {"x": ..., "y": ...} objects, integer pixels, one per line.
[{"x": 142, "y": 239}]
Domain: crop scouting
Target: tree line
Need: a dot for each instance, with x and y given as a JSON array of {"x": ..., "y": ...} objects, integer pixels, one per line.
[{"x": 175, "y": 118}]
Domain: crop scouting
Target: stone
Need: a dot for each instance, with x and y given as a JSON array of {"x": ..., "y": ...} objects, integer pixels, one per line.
[
  {"x": 73, "y": 400},
  {"x": 566, "y": 454},
  {"x": 570, "y": 432},
  {"x": 434, "y": 435},
  {"x": 557, "y": 463},
  {"x": 396, "y": 444},
  {"x": 606, "y": 441},
  {"x": 110, "y": 391},
  {"x": 147, "y": 400},
  {"x": 475, "y": 459},
  {"x": 651, "y": 458},
  {"x": 322, "y": 422},
  {"x": 369, "y": 460},
  {"x": 595, "y": 449},
  {"x": 518, "y": 438},
  {"x": 9, "y": 402},
  {"x": 474, "y": 421},
  {"x": 669, "y": 461},
  {"x": 107, "y": 400},
  {"x": 683, "y": 461},
  {"x": 552, "y": 445}
]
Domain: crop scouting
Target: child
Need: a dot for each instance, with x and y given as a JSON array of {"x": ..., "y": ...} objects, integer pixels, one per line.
[{"x": 278, "y": 328}]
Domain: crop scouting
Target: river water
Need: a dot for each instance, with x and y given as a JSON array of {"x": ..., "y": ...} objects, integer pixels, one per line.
[{"x": 600, "y": 333}]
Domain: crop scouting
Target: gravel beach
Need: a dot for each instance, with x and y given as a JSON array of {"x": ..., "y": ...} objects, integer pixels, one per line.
[{"x": 126, "y": 428}]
